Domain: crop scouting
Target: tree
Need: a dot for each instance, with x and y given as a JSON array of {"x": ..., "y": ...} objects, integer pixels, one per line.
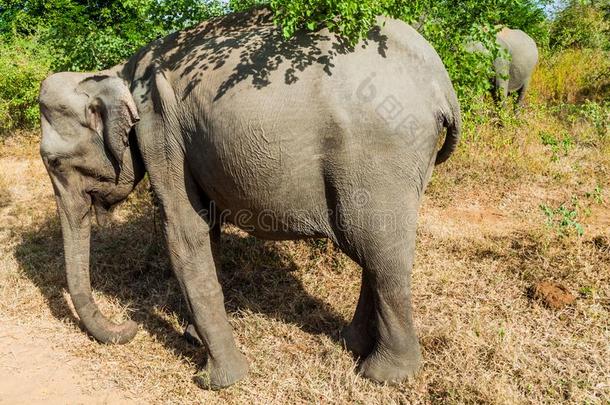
[
  {"x": 96, "y": 34},
  {"x": 582, "y": 24}
]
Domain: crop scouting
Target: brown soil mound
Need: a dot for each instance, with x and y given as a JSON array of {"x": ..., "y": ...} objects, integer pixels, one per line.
[{"x": 554, "y": 295}]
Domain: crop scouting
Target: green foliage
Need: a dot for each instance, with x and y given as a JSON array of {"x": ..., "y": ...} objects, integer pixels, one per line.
[
  {"x": 574, "y": 76},
  {"x": 599, "y": 115},
  {"x": 582, "y": 24},
  {"x": 243, "y": 5},
  {"x": 352, "y": 19},
  {"x": 470, "y": 71},
  {"x": 83, "y": 35},
  {"x": 97, "y": 34},
  {"x": 172, "y": 15},
  {"x": 455, "y": 24},
  {"x": 564, "y": 219},
  {"x": 558, "y": 146},
  {"x": 597, "y": 195},
  {"x": 23, "y": 65}
]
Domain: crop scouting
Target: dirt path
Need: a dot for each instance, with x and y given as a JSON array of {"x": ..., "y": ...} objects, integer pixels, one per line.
[{"x": 33, "y": 369}]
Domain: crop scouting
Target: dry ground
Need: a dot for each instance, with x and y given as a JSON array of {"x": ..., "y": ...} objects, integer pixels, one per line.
[{"x": 484, "y": 242}]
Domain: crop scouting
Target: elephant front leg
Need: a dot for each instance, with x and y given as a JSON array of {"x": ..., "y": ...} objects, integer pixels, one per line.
[
  {"x": 501, "y": 91},
  {"x": 190, "y": 332},
  {"x": 190, "y": 244}
]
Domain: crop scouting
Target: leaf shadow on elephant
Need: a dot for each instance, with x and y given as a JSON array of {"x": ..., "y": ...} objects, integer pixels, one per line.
[
  {"x": 252, "y": 54},
  {"x": 129, "y": 266}
]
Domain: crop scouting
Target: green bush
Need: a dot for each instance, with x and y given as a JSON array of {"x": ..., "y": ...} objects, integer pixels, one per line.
[
  {"x": 24, "y": 63},
  {"x": 573, "y": 76},
  {"x": 582, "y": 24},
  {"x": 97, "y": 34}
]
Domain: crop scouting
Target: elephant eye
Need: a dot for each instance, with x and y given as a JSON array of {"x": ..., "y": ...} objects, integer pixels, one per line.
[{"x": 53, "y": 162}]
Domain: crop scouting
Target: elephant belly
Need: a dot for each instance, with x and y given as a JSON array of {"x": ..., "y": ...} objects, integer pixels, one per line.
[{"x": 268, "y": 185}]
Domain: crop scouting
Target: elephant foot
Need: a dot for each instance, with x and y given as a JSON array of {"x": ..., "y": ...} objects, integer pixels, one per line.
[
  {"x": 220, "y": 375},
  {"x": 389, "y": 368},
  {"x": 359, "y": 343},
  {"x": 191, "y": 336}
]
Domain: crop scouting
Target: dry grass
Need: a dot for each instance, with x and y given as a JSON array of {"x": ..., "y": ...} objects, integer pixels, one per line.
[{"x": 483, "y": 242}]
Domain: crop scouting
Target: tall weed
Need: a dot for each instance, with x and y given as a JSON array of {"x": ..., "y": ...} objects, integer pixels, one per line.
[{"x": 573, "y": 76}]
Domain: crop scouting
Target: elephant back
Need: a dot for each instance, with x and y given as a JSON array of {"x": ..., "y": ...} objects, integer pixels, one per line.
[{"x": 522, "y": 47}]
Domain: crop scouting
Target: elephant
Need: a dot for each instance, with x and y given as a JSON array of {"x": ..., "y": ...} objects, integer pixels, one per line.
[
  {"x": 512, "y": 73},
  {"x": 286, "y": 139}
]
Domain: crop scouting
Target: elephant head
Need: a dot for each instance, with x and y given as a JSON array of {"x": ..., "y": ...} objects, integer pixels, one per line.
[{"x": 89, "y": 150}]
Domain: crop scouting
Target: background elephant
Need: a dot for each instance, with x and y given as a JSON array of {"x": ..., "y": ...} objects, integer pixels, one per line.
[
  {"x": 285, "y": 139},
  {"x": 513, "y": 73}
]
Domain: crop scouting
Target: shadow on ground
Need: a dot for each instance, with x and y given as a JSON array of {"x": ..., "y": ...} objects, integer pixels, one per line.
[{"x": 129, "y": 266}]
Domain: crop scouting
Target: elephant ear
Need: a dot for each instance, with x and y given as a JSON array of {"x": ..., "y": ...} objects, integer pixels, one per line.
[{"x": 111, "y": 111}]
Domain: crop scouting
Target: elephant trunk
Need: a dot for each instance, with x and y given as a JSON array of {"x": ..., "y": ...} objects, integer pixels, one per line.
[{"x": 76, "y": 231}]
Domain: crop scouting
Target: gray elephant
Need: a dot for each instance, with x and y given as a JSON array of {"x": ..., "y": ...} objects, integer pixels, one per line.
[
  {"x": 513, "y": 69},
  {"x": 287, "y": 139}
]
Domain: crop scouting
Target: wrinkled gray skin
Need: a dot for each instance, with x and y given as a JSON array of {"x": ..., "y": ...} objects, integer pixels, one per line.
[
  {"x": 228, "y": 113},
  {"x": 513, "y": 74}
]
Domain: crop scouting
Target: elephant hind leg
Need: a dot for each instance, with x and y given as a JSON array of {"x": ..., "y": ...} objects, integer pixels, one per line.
[
  {"x": 382, "y": 332},
  {"x": 521, "y": 93},
  {"x": 396, "y": 354},
  {"x": 359, "y": 336}
]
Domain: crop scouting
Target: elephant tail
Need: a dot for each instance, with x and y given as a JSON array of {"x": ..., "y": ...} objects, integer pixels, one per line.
[{"x": 453, "y": 123}]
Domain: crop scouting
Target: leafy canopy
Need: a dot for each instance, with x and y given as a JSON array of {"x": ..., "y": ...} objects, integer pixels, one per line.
[
  {"x": 93, "y": 34},
  {"x": 96, "y": 34}
]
